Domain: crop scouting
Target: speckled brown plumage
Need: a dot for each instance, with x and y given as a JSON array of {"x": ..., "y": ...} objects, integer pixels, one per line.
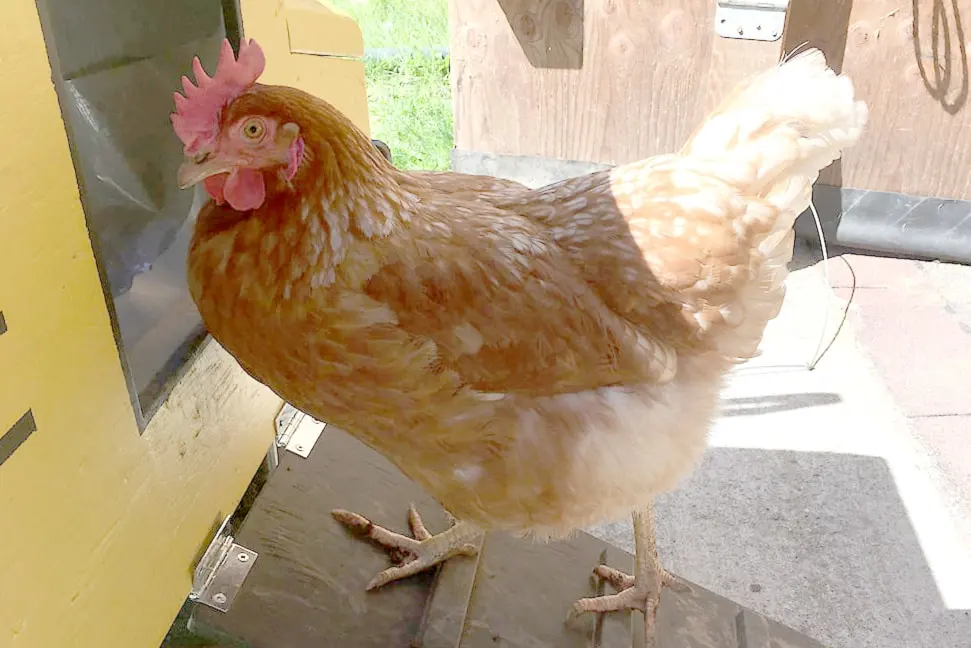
[{"x": 538, "y": 360}]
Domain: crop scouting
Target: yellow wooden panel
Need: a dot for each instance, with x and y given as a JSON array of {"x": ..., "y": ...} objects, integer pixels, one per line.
[
  {"x": 336, "y": 79},
  {"x": 100, "y": 527},
  {"x": 317, "y": 29}
]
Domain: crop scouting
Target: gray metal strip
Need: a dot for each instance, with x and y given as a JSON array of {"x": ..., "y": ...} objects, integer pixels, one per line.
[
  {"x": 893, "y": 223},
  {"x": 16, "y": 435}
]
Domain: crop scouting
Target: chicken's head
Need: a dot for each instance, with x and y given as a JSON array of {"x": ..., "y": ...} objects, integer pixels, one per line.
[{"x": 230, "y": 151}]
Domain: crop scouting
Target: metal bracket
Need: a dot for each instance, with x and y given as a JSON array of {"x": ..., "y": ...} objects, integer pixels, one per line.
[
  {"x": 296, "y": 431},
  {"x": 221, "y": 571},
  {"x": 286, "y": 423},
  {"x": 760, "y": 20}
]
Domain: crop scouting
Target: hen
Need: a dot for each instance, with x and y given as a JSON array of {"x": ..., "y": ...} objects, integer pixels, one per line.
[{"x": 538, "y": 360}]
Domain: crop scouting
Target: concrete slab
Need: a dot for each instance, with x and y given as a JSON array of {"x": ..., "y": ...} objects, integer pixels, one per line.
[{"x": 823, "y": 502}]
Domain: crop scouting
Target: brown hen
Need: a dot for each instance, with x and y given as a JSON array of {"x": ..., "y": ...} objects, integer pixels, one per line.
[{"x": 538, "y": 360}]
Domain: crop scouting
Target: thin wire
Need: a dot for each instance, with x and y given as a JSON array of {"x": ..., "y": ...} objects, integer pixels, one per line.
[
  {"x": 846, "y": 313},
  {"x": 820, "y": 349},
  {"x": 817, "y": 354}
]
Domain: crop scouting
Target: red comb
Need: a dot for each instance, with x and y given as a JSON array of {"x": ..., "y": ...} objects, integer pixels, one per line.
[{"x": 196, "y": 116}]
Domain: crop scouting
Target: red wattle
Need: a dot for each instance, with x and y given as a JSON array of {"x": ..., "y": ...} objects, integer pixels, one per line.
[{"x": 245, "y": 189}]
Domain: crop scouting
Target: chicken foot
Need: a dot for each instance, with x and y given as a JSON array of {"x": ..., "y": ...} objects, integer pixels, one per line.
[
  {"x": 411, "y": 555},
  {"x": 642, "y": 591}
]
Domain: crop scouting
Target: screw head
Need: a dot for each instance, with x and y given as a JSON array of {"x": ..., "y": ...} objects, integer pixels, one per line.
[
  {"x": 243, "y": 557},
  {"x": 219, "y": 598},
  {"x": 300, "y": 447}
]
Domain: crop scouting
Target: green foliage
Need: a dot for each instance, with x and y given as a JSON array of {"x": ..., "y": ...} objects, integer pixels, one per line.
[
  {"x": 409, "y": 95},
  {"x": 411, "y": 109}
]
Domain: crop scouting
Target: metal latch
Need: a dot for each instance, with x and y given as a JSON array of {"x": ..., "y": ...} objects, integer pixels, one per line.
[
  {"x": 222, "y": 570},
  {"x": 296, "y": 431},
  {"x": 761, "y": 20}
]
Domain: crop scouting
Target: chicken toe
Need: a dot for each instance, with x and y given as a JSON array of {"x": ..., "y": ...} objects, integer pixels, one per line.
[
  {"x": 636, "y": 596},
  {"x": 412, "y": 555},
  {"x": 642, "y": 591}
]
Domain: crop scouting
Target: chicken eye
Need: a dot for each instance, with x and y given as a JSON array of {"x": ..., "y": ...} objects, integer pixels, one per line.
[{"x": 254, "y": 129}]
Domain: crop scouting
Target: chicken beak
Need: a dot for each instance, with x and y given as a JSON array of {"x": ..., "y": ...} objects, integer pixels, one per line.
[{"x": 192, "y": 172}]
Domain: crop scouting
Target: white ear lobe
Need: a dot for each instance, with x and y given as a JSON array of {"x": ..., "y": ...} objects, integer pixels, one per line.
[{"x": 292, "y": 130}]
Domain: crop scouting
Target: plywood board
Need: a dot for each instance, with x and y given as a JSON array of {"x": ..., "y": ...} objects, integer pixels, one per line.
[
  {"x": 524, "y": 590},
  {"x": 909, "y": 62},
  {"x": 636, "y": 88},
  {"x": 307, "y": 585},
  {"x": 733, "y": 61},
  {"x": 612, "y": 81}
]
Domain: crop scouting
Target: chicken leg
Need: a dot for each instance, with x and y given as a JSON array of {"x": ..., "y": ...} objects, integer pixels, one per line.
[
  {"x": 642, "y": 591},
  {"x": 411, "y": 555}
]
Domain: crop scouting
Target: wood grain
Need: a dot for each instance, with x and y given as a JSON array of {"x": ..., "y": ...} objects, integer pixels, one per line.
[
  {"x": 909, "y": 62},
  {"x": 448, "y": 603},
  {"x": 732, "y": 61},
  {"x": 644, "y": 68},
  {"x": 307, "y": 586},
  {"x": 550, "y": 32},
  {"x": 645, "y": 75},
  {"x": 824, "y": 25},
  {"x": 524, "y": 590}
]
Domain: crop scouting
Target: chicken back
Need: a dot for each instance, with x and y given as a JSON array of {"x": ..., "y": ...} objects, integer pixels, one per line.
[{"x": 538, "y": 360}]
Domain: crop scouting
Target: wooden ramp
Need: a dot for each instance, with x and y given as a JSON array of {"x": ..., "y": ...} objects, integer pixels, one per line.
[{"x": 306, "y": 589}]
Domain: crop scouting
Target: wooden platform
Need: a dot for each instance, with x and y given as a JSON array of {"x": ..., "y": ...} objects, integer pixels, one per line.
[{"x": 307, "y": 586}]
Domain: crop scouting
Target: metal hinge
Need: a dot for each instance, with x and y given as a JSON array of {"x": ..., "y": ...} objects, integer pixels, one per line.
[
  {"x": 296, "y": 431},
  {"x": 222, "y": 570},
  {"x": 761, "y": 20}
]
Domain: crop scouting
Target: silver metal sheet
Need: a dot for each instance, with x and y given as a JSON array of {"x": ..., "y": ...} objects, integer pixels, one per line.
[
  {"x": 760, "y": 20},
  {"x": 115, "y": 70}
]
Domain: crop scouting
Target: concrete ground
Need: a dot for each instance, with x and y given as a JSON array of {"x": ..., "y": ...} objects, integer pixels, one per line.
[{"x": 838, "y": 501}]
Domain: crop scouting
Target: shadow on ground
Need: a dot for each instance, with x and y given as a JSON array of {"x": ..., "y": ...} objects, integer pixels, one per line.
[{"x": 854, "y": 576}]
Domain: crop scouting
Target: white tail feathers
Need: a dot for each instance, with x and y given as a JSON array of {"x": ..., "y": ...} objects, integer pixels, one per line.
[
  {"x": 770, "y": 139},
  {"x": 789, "y": 123}
]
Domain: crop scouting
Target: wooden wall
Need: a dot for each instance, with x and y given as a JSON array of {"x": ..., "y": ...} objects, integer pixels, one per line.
[
  {"x": 616, "y": 80},
  {"x": 909, "y": 61}
]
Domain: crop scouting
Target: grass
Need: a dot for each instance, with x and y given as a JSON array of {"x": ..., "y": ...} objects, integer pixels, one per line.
[
  {"x": 399, "y": 23},
  {"x": 409, "y": 95},
  {"x": 410, "y": 103}
]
